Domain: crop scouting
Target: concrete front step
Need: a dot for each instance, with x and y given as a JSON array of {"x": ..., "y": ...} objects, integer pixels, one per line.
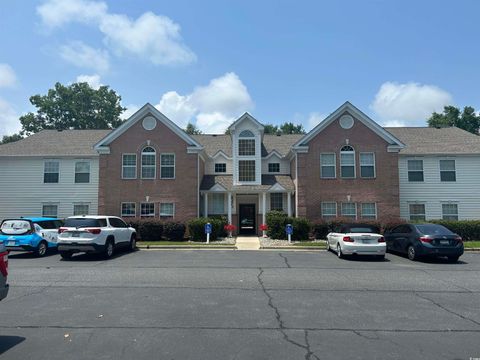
[{"x": 247, "y": 243}]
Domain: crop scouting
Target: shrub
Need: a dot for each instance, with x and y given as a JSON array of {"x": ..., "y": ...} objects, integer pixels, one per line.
[
  {"x": 301, "y": 228},
  {"x": 277, "y": 221},
  {"x": 467, "y": 229},
  {"x": 323, "y": 227},
  {"x": 149, "y": 230},
  {"x": 196, "y": 228},
  {"x": 174, "y": 231}
]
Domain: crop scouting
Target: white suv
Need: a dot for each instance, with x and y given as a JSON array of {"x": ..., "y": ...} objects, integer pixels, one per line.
[{"x": 94, "y": 234}]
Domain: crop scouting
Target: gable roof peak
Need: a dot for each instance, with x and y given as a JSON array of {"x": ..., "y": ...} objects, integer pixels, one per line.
[{"x": 246, "y": 116}]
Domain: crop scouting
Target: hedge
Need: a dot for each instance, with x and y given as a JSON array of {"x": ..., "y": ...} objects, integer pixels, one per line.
[
  {"x": 277, "y": 220},
  {"x": 196, "y": 228},
  {"x": 147, "y": 229},
  {"x": 468, "y": 229},
  {"x": 174, "y": 231}
]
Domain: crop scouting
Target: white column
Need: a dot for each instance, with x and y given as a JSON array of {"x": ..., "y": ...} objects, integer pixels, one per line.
[
  {"x": 229, "y": 205},
  {"x": 289, "y": 203},
  {"x": 205, "y": 203},
  {"x": 264, "y": 208}
]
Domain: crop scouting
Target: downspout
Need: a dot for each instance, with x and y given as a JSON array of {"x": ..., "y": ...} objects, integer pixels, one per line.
[
  {"x": 296, "y": 184},
  {"x": 198, "y": 185}
]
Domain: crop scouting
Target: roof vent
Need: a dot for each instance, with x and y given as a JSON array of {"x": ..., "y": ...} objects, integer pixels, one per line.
[{"x": 214, "y": 135}]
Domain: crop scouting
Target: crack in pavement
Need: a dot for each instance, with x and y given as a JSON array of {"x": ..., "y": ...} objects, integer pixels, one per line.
[
  {"x": 285, "y": 259},
  {"x": 447, "y": 310},
  {"x": 309, "y": 354}
]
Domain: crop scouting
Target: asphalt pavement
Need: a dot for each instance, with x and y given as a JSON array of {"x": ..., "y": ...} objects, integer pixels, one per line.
[{"x": 224, "y": 304}]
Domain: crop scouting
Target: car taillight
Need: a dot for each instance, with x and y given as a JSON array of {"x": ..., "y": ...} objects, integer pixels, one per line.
[
  {"x": 381, "y": 239},
  {"x": 94, "y": 231},
  {"x": 459, "y": 239},
  {"x": 4, "y": 263},
  {"x": 347, "y": 239},
  {"x": 61, "y": 230},
  {"x": 425, "y": 239}
]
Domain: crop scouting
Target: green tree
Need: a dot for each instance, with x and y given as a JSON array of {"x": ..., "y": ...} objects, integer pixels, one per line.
[
  {"x": 452, "y": 116},
  {"x": 76, "y": 106},
  {"x": 290, "y": 128},
  {"x": 191, "y": 129},
  {"x": 11, "y": 138},
  {"x": 270, "y": 129}
]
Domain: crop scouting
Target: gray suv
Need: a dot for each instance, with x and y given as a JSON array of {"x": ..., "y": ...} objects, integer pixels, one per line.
[{"x": 3, "y": 271}]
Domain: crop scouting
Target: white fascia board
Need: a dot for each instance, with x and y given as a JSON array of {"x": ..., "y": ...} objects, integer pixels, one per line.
[
  {"x": 276, "y": 187},
  {"x": 246, "y": 115},
  {"x": 194, "y": 150},
  {"x": 272, "y": 153},
  {"x": 221, "y": 153},
  {"x": 103, "y": 149}
]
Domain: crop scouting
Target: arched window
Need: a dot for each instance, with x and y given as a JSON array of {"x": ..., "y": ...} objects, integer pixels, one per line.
[
  {"x": 149, "y": 161},
  {"x": 347, "y": 162},
  {"x": 246, "y": 147}
]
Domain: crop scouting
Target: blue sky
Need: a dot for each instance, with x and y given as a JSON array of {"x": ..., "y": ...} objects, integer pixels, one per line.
[{"x": 209, "y": 61}]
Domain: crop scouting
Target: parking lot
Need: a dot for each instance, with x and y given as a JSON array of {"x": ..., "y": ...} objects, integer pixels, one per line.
[{"x": 195, "y": 304}]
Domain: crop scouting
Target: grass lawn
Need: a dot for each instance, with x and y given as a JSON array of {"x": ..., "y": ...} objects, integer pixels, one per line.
[
  {"x": 183, "y": 243},
  {"x": 471, "y": 244},
  {"x": 311, "y": 244}
]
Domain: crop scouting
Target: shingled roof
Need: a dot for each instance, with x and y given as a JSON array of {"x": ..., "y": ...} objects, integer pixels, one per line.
[
  {"x": 442, "y": 141},
  {"x": 214, "y": 143},
  {"x": 226, "y": 181},
  {"x": 55, "y": 143}
]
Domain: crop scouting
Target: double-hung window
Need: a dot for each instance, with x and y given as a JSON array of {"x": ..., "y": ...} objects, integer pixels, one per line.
[
  {"x": 276, "y": 201},
  {"x": 415, "y": 170},
  {"x": 417, "y": 212},
  {"x": 167, "y": 210},
  {"x": 450, "y": 211},
  {"x": 327, "y": 166},
  {"x": 81, "y": 209},
  {"x": 347, "y": 162},
  {"x": 369, "y": 210},
  {"x": 246, "y": 170},
  {"x": 167, "y": 169},
  {"x": 447, "y": 170},
  {"x": 216, "y": 204},
  {"x": 51, "y": 170},
  {"x": 367, "y": 165},
  {"x": 50, "y": 210},
  {"x": 149, "y": 161},
  {"x": 82, "y": 172},
  {"x": 147, "y": 209},
  {"x": 129, "y": 209},
  {"x": 329, "y": 210},
  {"x": 129, "y": 166},
  {"x": 349, "y": 210}
]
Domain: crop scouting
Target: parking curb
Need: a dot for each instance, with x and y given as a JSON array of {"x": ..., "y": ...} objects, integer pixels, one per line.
[{"x": 151, "y": 247}]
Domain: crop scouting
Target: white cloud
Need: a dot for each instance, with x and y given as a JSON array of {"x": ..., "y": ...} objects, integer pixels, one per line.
[
  {"x": 9, "y": 123},
  {"x": 212, "y": 107},
  {"x": 314, "y": 119},
  {"x": 153, "y": 37},
  {"x": 81, "y": 55},
  {"x": 92, "y": 80},
  {"x": 7, "y": 76},
  {"x": 55, "y": 13},
  {"x": 409, "y": 103}
]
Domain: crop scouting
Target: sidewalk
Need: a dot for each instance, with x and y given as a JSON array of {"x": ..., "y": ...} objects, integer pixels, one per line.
[{"x": 247, "y": 243}]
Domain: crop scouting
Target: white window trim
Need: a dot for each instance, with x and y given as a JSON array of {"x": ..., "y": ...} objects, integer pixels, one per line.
[
  {"x": 154, "y": 209},
  {"x": 376, "y": 212},
  {"x": 215, "y": 168},
  {"x": 329, "y": 202},
  {"x": 160, "y": 209},
  {"x": 417, "y": 203},
  {"x": 245, "y": 158},
  {"x": 46, "y": 204},
  {"x": 59, "y": 172},
  {"x": 440, "y": 170},
  {"x": 334, "y": 166},
  {"x": 354, "y": 153},
  {"x": 374, "y": 165},
  {"x": 423, "y": 171},
  {"x": 136, "y": 160},
  {"x": 89, "y": 171},
  {"x": 149, "y": 166},
  {"x": 273, "y": 163},
  {"x": 128, "y": 215},
  {"x": 270, "y": 200},
  {"x": 450, "y": 203},
  {"x": 356, "y": 210},
  {"x": 174, "y": 167}
]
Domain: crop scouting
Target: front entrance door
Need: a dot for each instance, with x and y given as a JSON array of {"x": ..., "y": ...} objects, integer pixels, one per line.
[{"x": 246, "y": 219}]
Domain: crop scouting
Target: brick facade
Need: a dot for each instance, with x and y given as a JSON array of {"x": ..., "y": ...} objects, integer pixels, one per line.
[
  {"x": 382, "y": 190},
  {"x": 182, "y": 191}
]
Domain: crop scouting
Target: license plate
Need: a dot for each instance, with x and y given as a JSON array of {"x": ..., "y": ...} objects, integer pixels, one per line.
[
  {"x": 75, "y": 234},
  {"x": 444, "y": 242},
  {"x": 366, "y": 241},
  {"x": 11, "y": 243}
]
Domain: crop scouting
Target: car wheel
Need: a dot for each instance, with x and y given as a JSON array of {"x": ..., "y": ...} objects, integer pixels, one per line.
[
  {"x": 380, "y": 257},
  {"x": 328, "y": 246},
  {"x": 452, "y": 259},
  {"x": 411, "y": 253},
  {"x": 41, "y": 249},
  {"x": 339, "y": 251},
  {"x": 66, "y": 255},
  {"x": 133, "y": 243},
  {"x": 109, "y": 248}
]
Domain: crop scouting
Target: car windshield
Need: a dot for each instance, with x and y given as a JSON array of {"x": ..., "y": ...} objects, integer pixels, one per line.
[
  {"x": 363, "y": 229},
  {"x": 432, "y": 229},
  {"x": 15, "y": 227},
  {"x": 84, "y": 222}
]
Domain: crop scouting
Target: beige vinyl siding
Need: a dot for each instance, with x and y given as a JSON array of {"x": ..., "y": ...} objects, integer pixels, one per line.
[
  {"x": 284, "y": 165},
  {"x": 210, "y": 165},
  {"x": 22, "y": 191},
  {"x": 433, "y": 192}
]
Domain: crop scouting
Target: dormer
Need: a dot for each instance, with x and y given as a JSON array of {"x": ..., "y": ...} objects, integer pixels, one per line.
[{"x": 247, "y": 136}]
